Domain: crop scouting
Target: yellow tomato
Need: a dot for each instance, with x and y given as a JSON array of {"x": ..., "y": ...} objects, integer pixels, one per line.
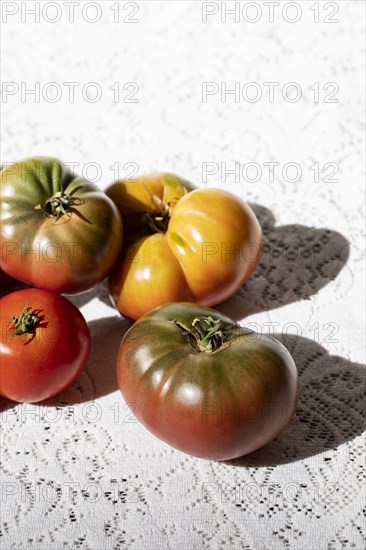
[{"x": 182, "y": 244}]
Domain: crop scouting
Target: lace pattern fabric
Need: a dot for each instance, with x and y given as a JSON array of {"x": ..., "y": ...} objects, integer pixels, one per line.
[{"x": 79, "y": 471}]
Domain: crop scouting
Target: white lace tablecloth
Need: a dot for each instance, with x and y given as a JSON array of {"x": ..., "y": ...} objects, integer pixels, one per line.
[{"x": 80, "y": 472}]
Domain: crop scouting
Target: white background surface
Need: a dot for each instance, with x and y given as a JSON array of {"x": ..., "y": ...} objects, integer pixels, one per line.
[{"x": 80, "y": 472}]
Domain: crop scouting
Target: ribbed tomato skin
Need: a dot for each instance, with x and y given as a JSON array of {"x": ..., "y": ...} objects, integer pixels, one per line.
[
  {"x": 209, "y": 248},
  {"x": 217, "y": 405},
  {"x": 70, "y": 254}
]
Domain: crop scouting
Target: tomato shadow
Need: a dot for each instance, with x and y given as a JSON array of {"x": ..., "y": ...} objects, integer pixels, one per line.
[
  {"x": 295, "y": 263},
  {"x": 82, "y": 298},
  {"x": 6, "y": 404},
  {"x": 99, "y": 291},
  {"x": 99, "y": 377},
  {"x": 12, "y": 286},
  {"x": 330, "y": 411}
]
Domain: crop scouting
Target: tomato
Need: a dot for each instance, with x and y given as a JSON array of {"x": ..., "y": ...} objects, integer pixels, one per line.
[
  {"x": 58, "y": 231},
  {"x": 205, "y": 385},
  {"x": 181, "y": 244},
  {"x": 45, "y": 344}
]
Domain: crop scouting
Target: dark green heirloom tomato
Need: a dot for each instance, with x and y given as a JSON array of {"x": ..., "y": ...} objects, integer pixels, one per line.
[
  {"x": 205, "y": 385},
  {"x": 58, "y": 231}
]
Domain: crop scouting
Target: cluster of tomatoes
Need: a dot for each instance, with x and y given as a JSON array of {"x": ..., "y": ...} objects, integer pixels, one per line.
[{"x": 196, "y": 379}]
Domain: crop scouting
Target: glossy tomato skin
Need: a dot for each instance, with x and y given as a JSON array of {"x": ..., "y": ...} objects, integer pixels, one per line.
[
  {"x": 37, "y": 366},
  {"x": 69, "y": 253},
  {"x": 216, "y": 238},
  {"x": 210, "y": 247},
  {"x": 218, "y": 405}
]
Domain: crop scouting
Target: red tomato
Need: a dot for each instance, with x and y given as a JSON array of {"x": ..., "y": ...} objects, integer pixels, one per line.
[{"x": 45, "y": 344}]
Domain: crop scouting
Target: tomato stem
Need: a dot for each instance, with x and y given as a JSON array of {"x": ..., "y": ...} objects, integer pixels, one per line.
[
  {"x": 157, "y": 221},
  {"x": 205, "y": 334},
  {"x": 25, "y": 323},
  {"x": 173, "y": 191},
  {"x": 59, "y": 204}
]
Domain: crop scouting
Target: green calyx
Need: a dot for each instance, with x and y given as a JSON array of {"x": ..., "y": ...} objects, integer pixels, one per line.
[
  {"x": 59, "y": 205},
  {"x": 25, "y": 323},
  {"x": 205, "y": 334}
]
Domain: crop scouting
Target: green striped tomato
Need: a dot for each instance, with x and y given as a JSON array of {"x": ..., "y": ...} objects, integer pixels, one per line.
[
  {"x": 205, "y": 385},
  {"x": 58, "y": 231}
]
